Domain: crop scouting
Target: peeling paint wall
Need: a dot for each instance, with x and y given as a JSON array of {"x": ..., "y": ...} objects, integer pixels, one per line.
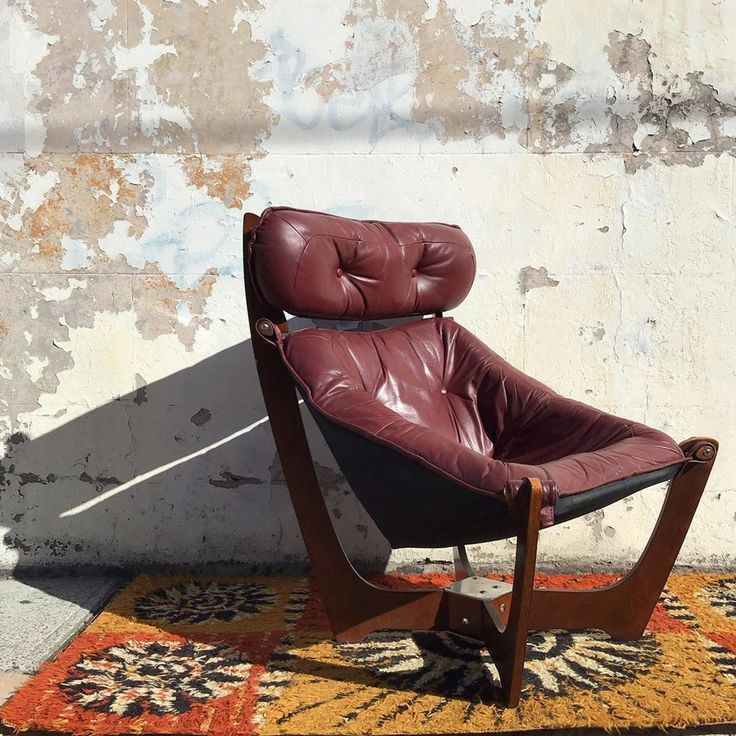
[{"x": 586, "y": 148}]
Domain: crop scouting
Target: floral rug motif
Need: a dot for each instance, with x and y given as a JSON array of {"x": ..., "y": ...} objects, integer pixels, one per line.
[{"x": 232, "y": 655}]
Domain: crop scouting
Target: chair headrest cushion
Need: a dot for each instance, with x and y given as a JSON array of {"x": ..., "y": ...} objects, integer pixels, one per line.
[{"x": 313, "y": 264}]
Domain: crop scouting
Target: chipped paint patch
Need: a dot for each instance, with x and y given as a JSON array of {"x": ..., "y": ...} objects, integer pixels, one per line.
[
  {"x": 123, "y": 76},
  {"x": 76, "y": 254},
  {"x": 593, "y": 334},
  {"x": 226, "y": 178},
  {"x": 534, "y": 278}
]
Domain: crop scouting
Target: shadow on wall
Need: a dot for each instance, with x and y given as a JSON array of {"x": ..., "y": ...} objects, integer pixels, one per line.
[{"x": 181, "y": 471}]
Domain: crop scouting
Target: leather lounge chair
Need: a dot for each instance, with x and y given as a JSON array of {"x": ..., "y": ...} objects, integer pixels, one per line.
[{"x": 442, "y": 441}]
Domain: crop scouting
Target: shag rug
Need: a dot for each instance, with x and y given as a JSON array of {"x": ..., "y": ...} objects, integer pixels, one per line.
[{"x": 230, "y": 655}]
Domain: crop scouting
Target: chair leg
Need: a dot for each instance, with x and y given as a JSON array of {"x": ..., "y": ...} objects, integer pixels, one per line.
[
  {"x": 508, "y": 647},
  {"x": 497, "y": 614},
  {"x": 624, "y": 608}
]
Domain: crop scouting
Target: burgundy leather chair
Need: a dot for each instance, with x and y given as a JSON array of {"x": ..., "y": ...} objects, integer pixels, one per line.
[{"x": 443, "y": 442}]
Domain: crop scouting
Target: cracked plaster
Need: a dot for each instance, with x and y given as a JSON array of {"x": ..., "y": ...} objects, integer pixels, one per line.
[{"x": 583, "y": 147}]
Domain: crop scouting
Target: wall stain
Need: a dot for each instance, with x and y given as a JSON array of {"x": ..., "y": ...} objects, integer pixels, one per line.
[
  {"x": 201, "y": 417},
  {"x": 83, "y": 197},
  {"x": 683, "y": 120},
  {"x": 592, "y": 334},
  {"x": 233, "y": 480},
  {"x": 494, "y": 78},
  {"x": 100, "y": 482}
]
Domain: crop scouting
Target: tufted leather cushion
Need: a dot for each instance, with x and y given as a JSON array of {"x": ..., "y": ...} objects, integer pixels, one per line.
[
  {"x": 318, "y": 265},
  {"x": 434, "y": 392}
]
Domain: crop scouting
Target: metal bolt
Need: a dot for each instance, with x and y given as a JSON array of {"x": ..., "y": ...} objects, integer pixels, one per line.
[
  {"x": 265, "y": 327},
  {"x": 464, "y": 621},
  {"x": 705, "y": 452}
]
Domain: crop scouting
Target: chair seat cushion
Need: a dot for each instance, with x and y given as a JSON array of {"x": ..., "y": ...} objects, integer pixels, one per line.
[{"x": 432, "y": 391}]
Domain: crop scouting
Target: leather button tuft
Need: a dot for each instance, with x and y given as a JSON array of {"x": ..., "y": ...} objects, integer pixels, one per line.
[
  {"x": 413, "y": 272},
  {"x": 339, "y": 272},
  {"x": 443, "y": 390}
]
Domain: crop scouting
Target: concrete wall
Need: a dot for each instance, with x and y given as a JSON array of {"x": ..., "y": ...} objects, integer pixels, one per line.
[{"x": 587, "y": 148}]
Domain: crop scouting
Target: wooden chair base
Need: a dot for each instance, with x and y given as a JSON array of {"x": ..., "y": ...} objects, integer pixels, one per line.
[{"x": 499, "y": 618}]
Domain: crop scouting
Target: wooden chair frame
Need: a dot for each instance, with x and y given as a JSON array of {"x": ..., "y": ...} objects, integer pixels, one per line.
[{"x": 496, "y": 614}]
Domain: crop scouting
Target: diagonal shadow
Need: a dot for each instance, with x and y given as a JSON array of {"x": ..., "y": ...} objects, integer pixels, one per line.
[{"x": 180, "y": 472}]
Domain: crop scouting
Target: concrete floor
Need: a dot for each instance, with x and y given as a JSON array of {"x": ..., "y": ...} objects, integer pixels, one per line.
[{"x": 40, "y": 615}]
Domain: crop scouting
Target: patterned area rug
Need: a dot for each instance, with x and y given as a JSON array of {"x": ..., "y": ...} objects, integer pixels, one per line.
[{"x": 226, "y": 655}]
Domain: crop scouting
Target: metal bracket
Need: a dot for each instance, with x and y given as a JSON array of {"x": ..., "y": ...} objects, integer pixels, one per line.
[
  {"x": 479, "y": 587},
  {"x": 471, "y": 600}
]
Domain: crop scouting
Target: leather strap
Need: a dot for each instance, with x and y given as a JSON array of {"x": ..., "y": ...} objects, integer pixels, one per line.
[
  {"x": 550, "y": 495},
  {"x": 270, "y": 332}
]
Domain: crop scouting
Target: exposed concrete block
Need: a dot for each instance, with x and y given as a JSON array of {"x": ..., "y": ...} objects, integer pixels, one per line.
[{"x": 39, "y": 615}]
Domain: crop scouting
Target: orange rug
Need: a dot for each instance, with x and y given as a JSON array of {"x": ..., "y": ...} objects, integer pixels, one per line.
[{"x": 228, "y": 655}]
